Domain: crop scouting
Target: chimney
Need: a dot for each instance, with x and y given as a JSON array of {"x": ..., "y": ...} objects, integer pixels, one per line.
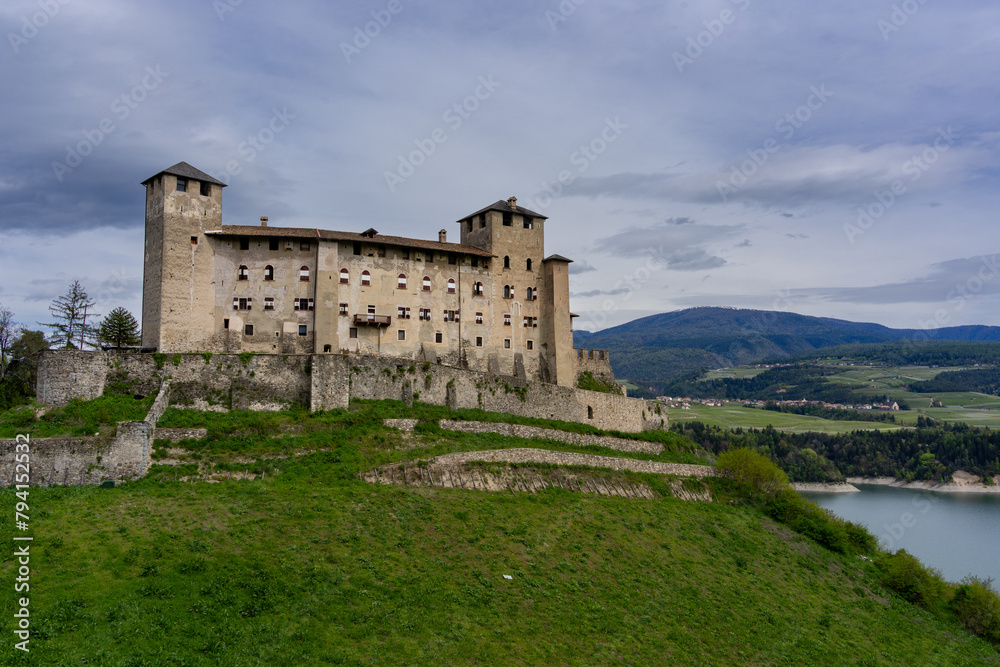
[
  {"x": 512, "y": 202},
  {"x": 443, "y": 236},
  {"x": 263, "y": 221}
]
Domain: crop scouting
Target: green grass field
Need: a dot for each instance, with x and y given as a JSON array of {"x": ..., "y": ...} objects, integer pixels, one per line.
[
  {"x": 310, "y": 566},
  {"x": 733, "y": 415}
]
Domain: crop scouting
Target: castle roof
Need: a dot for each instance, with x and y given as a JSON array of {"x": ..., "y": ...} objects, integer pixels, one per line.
[
  {"x": 184, "y": 170},
  {"x": 557, "y": 258},
  {"x": 329, "y": 235},
  {"x": 505, "y": 208}
]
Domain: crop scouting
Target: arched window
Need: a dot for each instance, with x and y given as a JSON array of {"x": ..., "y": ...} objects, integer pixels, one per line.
[
  {"x": 345, "y": 277},
  {"x": 268, "y": 272},
  {"x": 366, "y": 278},
  {"x": 427, "y": 284},
  {"x": 528, "y": 296},
  {"x": 304, "y": 274},
  {"x": 451, "y": 285},
  {"x": 590, "y": 412},
  {"x": 506, "y": 291},
  {"x": 528, "y": 264},
  {"x": 401, "y": 281},
  {"x": 506, "y": 261},
  {"x": 477, "y": 289},
  {"x": 244, "y": 273}
]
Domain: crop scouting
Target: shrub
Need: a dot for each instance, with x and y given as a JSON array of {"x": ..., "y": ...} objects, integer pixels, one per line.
[
  {"x": 755, "y": 470},
  {"x": 914, "y": 582},
  {"x": 977, "y": 605}
]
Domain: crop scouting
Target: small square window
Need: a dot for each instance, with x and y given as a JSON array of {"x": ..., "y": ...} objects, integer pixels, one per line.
[
  {"x": 206, "y": 189},
  {"x": 405, "y": 253},
  {"x": 452, "y": 258},
  {"x": 381, "y": 251},
  {"x": 303, "y": 245},
  {"x": 248, "y": 329},
  {"x": 194, "y": 240},
  {"x": 479, "y": 341},
  {"x": 272, "y": 243},
  {"x": 507, "y": 219},
  {"x": 343, "y": 309},
  {"x": 506, "y": 343},
  {"x": 438, "y": 337},
  {"x": 244, "y": 243},
  {"x": 303, "y": 329},
  {"x": 401, "y": 334},
  {"x": 182, "y": 185},
  {"x": 531, "y": 345},
  {"x": 353, "y": 332},
  {"x": 357, "y": 248}
]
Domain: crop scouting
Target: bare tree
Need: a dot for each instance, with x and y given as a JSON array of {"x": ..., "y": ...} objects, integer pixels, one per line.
[
  {"x": 8, "y": 333},
  {"x": 71, "y": 312}
]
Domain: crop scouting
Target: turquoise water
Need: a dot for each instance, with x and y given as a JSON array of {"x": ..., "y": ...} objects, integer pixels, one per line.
[{"x": 958, "y": 534}]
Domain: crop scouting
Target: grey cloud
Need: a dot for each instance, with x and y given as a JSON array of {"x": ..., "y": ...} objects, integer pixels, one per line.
[
  {"x": 581, "y": 266},
  {"x": 601, "y": 292}
]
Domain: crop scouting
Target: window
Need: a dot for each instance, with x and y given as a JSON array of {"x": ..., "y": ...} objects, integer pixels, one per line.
[
  {"x": 268, "y": 272},
  {"x": 531, "y": 344},
  {"x": 429, "y": 257},
  {"x": 479, "y": 318},
  {"x": 405, "y": 253},
  {"x": 303, "y": 245},
  {"x": 528, "y": 294},
  {"x": 194, "y": 240},
  {"x": 312, "y": 304},
  {"x": 366, "y": 278},
  {"x": 304, "y": 304},
  {"x": 248, "y": 329},
  {"x": 506, "y": 261},
  {"x": 401, "y": 281},
  {"x": 477, "y": 289},
  {"x": 304, "y": 274},
  {"x": 288, "y": 244},
  {"x": 381, "y": 251},
  {"x": 506, "y": 291},
  {"x": 479, "y": 341},
  {"x": 343, "y": 309},
  {"x": 303, "y": 329},
  {"x": 268, "y": 303},
  {"x": 527, "y": 264},
  {"x": 206, "y": 189},
  {"x": 402, "y": 312},
  {"x": 225, "y": 323},
  {"x": 345, "y": 277},
  {"x": 427, "y": 284},
  {"x": 425, "y": 314},
  {"x": 590, "y": 412},
  {"x": 531, "y": 321},
  {"x": 451, "y": 316},
  {"x": 244, "y": 243},
  {"x": 482, "y": 220},
  {"x": 438, "y": 337},
  {"x": 243, "y": 273},
  {"x": 352, "y": 332},
  {"x": 468, "y": 225},
  {"x": 371, "y": 310},
  {"x": 508, "y": 219},
  {"x": 452, "y": 258},
  {"x": 451, "y": 285},
  {"x": 506, "y": 319},
  {"x": 327, "y": 348},
  {"x": 357, "y": 251},
  {"x": 401, "y": 334},
  {"x": 241, "y": 303},
  {"x": 506, "y": 343},
  {"x": 272, "y": 243},
  {"x": 182, "y": 185},
  {"x": 529, "y": 222},
  {"x": 473, "y": 262}
]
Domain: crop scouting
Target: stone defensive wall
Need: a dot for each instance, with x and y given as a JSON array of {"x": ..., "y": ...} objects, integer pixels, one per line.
[
  {"x": 327, "y": 381},
  {"x": 581, "y": 439},
  {"x": 574, "y": 459}
]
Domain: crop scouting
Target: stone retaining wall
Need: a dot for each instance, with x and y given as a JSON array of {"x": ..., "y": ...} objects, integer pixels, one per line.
[
  {"x": 178, "y": 434},
  {"x": 573, "y": 459},
  {"x": 581, "y": 439}
]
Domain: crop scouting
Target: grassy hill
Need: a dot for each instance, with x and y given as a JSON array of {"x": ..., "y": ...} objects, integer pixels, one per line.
[
  {"x": 653, "y": 350},
  {"x": 304, "y": 564}
]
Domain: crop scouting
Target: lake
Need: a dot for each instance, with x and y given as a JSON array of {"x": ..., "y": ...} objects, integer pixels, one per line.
[{"x": 956, "y": 533}]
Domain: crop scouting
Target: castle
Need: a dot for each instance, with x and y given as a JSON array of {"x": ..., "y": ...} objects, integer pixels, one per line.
[{"x": 491, "y": 303}]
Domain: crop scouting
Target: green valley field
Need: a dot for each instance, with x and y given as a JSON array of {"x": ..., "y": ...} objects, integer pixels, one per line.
[{"x": 302, "y": 563}]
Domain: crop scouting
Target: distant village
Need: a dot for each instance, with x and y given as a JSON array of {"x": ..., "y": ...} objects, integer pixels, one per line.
[{"x": 685, "y": 403}]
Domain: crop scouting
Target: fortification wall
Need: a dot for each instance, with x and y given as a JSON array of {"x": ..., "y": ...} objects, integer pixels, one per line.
[
  {"x": 70, "y": 374},
  {"x": 597, "y": 362}
]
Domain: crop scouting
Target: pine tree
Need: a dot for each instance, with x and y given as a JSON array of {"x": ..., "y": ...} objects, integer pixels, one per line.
[
  {"x": 119, "y": 328},
  {"x": 71, "y": 312}
]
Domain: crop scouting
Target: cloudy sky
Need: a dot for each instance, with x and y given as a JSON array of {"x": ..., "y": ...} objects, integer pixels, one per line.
[{"x": 828, "y": 158}]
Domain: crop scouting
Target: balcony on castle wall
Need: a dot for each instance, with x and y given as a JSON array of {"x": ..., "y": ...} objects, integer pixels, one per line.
[{"x": 372, "y": 320}]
